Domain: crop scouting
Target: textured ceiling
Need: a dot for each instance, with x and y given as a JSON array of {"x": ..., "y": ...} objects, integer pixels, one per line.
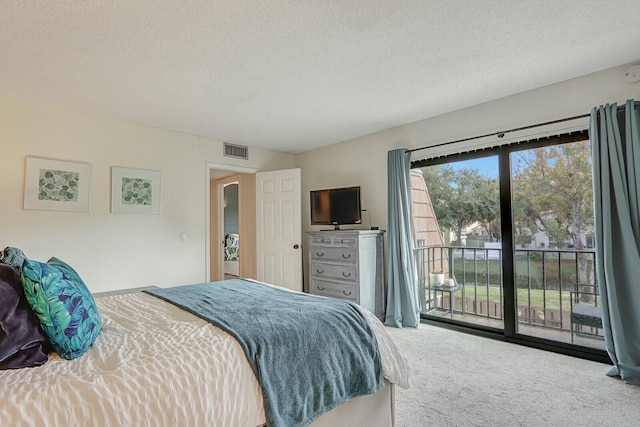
[{"x": 294, "y": 75}]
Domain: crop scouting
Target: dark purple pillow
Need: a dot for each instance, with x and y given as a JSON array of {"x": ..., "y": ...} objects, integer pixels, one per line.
[{"x": 22, "y": 342}]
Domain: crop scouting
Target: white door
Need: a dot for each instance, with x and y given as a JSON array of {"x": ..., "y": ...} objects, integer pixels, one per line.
[{"x": 278, "y": 228}]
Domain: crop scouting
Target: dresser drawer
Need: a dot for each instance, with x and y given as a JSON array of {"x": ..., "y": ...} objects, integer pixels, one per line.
[
  {"x": 344, "y": 240},
  {"x": 335, "y": 290},
  {"x": 348, "y": 273},
  {"x": 333, "y": 239},
  {"x": 325, "y": 253},
  {"x": 320, "y": 239}
]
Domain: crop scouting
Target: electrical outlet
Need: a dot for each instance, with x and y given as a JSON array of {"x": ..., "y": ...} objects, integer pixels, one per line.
[{"x": 183, "y": 237}]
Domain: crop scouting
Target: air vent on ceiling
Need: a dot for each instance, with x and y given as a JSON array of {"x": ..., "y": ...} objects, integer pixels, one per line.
[{"x": 237, "y": 151}]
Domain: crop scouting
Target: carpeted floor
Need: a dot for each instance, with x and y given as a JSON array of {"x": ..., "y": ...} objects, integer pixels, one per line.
[{"x": 464, "y": 380}]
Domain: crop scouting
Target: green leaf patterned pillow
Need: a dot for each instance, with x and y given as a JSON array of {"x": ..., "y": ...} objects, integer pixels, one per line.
[{"x": 65, "y": 308}]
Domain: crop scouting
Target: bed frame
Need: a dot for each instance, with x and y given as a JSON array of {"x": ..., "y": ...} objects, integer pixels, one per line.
[{"x": 374, "y": 410}]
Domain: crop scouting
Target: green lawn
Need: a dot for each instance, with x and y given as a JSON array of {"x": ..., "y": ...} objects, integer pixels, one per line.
[
  {"x": 530, "y": 271},
  {"x": 553, "y": 271},
  {"x": 537, "y": 297}
]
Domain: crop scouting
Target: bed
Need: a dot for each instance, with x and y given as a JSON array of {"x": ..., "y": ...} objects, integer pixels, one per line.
[
  {"x": 231, "y": 254},
  {"x": 157, "y": 364}
]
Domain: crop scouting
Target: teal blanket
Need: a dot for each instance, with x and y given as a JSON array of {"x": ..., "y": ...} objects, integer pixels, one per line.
[{"x": 309, "y": 354}]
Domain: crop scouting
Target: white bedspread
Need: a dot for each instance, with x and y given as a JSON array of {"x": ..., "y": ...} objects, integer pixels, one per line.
[{"x": 139, "y": 372}]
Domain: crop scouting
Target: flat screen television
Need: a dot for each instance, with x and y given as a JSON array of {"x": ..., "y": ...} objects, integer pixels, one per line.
[{"x": 336, "y": 206}]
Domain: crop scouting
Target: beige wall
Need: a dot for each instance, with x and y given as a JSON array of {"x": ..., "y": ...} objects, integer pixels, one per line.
[
  {"x": 363, "y": 161},
  {"x": 113, "y": 251}
]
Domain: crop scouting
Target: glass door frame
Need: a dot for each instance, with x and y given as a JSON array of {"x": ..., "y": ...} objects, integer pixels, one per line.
[{"x": 509, "y": 333}]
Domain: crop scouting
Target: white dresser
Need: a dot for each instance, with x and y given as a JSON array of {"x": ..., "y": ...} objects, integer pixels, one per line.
[{"x": 348, "y": 264}]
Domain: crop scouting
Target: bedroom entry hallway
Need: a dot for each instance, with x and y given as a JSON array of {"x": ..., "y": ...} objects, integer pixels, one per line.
[
  {"x": 269, "y": 225},
  {"x": 228, "y": 223},
  {"x": 231, "y": 235}
]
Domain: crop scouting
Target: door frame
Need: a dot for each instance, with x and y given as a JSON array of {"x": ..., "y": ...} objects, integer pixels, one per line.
[{"x": 209, "y": 166}]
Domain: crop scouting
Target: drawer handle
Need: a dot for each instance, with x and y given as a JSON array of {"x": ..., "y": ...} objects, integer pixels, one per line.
[
  {"x": 319, "y": 271},
  {"x": 346, "y": 274},
  {"x": 319, "y": 254},
  {"x": 346, "y": 293},
  {"x": 321, "y": 288},
  {"x": 346, "y": 256}
]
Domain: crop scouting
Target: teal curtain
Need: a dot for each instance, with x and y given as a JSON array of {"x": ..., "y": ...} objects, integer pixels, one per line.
[
  {"x": 402, "y": 306},
  {"x": 615, "y": 139}
]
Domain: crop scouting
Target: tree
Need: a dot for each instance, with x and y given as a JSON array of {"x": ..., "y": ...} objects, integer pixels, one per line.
[
  {"x": 463, "y": 197},
  {"x": 553, "y": 193},
  {"x": 487, "y": 194},
  {"x": 437, "y": 179}
]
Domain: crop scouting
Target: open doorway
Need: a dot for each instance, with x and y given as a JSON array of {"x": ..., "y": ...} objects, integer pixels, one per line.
[
  {"x": 229, "y": 227},
  {"x": 231, "y": 224}
]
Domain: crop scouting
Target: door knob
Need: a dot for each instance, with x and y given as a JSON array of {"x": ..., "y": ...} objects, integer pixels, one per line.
[{"x": 296, "y": 246}]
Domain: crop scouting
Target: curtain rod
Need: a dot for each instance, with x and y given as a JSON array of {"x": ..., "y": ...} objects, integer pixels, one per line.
[{"x": 501, "y": 134}]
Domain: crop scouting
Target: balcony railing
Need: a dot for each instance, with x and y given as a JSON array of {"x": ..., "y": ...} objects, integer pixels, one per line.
[{"x": 546, "y": 280}]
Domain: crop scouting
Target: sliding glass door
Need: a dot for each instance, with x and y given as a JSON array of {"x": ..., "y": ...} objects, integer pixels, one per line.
[
  {"x": 505, "y": 241},
  {"x": 553, "y": 223},
  {"x": 458, "y": 239}
]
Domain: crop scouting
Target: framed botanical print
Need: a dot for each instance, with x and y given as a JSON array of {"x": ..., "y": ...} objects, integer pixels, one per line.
[
  {"x": 136, "y": 191},
  {"x": 57, "y": 185}
]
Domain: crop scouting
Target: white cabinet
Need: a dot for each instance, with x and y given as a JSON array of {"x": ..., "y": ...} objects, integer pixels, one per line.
[{"x": 348, "y": 264}]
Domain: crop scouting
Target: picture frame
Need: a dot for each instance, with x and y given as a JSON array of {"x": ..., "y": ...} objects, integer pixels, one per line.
[
  {"x": 57, "y": 185},
  {"x": 136, "y": 190}
]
